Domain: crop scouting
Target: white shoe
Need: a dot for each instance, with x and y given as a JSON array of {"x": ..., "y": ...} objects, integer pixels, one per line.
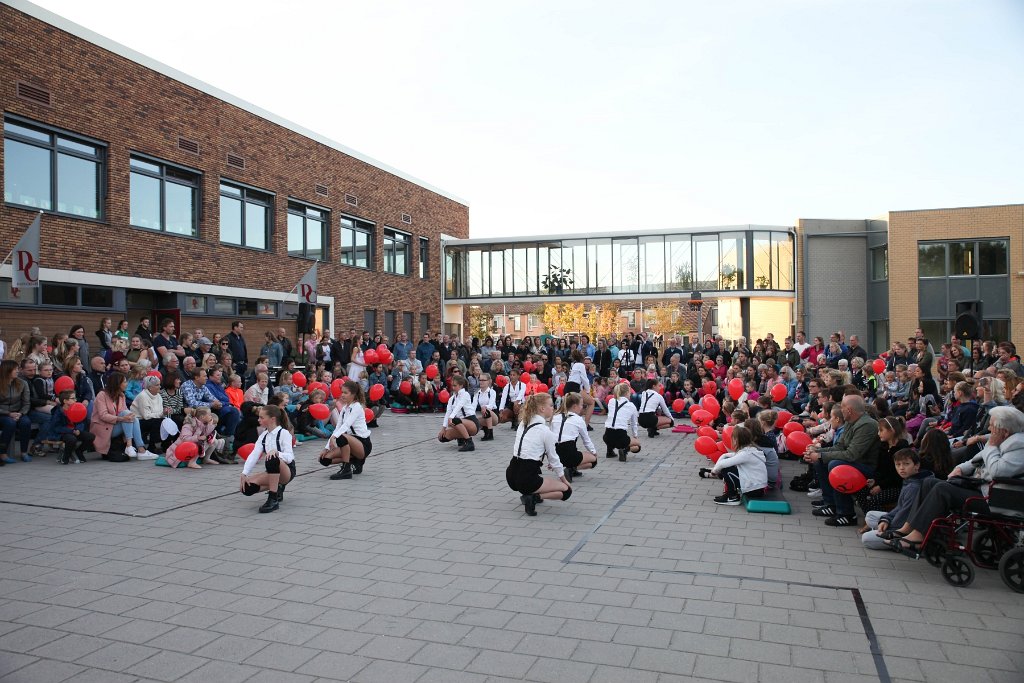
[
  {"x": 148, "y": 456},
  {"x": 131, "y": 452},
  {"x": 813, "y": 493}
]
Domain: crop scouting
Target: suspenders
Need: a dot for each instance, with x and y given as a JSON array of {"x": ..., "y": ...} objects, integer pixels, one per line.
[
  {"x": 519, "y": 452},
  {"x": 561, "y": 428},
  {"x": 647, "y": 397},
  {"x": 615, "y": 413}
]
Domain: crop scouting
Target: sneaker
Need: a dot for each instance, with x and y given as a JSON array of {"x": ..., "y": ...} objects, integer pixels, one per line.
[
  {"x": 812, "y": 492},
  {"x": 25, "y": 457},
  {"x": 148, "y": 455},
  {"x": 841, "y": 520},
  {"x": 820, "y": 503},
  {"x": 131, "y": 452},
  {"x": 826, "y": 511},
  {"x": 8, "y": 460},
  {"x": 726, "y": 499}
]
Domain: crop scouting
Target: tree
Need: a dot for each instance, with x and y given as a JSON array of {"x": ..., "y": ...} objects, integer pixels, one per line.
[
  {"x": 661, "y": 317},
  {"x": 480, "y": 322}
]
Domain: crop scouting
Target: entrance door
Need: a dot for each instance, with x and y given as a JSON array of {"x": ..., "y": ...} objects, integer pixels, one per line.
[{"x": 160, "y": 314}]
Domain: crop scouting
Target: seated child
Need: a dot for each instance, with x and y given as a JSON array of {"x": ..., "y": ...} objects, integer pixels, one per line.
[
  {"x": 884, "y": 524},
  {"x": 77, "y": 438},
  {"x": 744, "y": 471}
]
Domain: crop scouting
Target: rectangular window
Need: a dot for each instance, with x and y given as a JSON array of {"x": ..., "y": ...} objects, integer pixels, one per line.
[
  {"x": 356, "y": 243},
  {"x": 369, "y": 320},
  {"x": 224, "y": 306},
  {"x": 195, "y": 304},
  {"x": 424, "y": 323},
  {"x": 879, "y": 336},
  {"x": 630, "y": 318},
  {"x": 25, "y": 296},
  {"x": 52, "y": 170},
  {"x": 880, "y": 263},
  {"x": 961, "y": 258},
  {"x": 389, "y": 325},
  {"x": 307, "y": 230},
  {"x": 245, "y": 216},
  {"x": 992, "y": 258},
  {"x": 164, "y": 197},
  {"x": 533, "y": 321},
  {"x": 931, "y": 260},
  {"x": 424, "y": 258},
  {"x": 396, "y": 251},
  {"x": 247, "y": 307},
  {"x": 74, "y": 296},
  {"x": 97, "y": 297},
  {"x": 60, "y": 295},
  {"x": 267, "y": 309},
  {"x": 517, "y": 323},
  {"x": 407, "y": 320}
]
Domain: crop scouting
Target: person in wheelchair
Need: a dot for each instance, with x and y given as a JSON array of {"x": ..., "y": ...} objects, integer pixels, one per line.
[{"x": 1002, "y": 457}]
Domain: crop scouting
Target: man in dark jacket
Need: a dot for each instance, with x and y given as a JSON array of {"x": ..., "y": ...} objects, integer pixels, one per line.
[
  {"x": 236, "y": 344},
  {"x": 858, "y": 447}
]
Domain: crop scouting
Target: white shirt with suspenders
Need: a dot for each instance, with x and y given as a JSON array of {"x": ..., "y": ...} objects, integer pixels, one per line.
[
  {"x": 537, "y": 444},
  {"x": 512, "y": 393},
  {"x": 651, "y": 400},
  {"x": 570, "y": 429},
  {"x": 622, "y": 414},
  {"x": 578, "y": 374},
  {"x": 486, "y": 400},
  {"x": 352, "y": 421},
  {"x": 277, "y": 440},
  {"x": 460, "y": 405}
]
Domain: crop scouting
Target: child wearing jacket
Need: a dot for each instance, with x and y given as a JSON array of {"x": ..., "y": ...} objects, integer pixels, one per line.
[
  {"x": 883, "y": 524},
  {"x": 76, "y": 437},
  {"x": 744, "y": 472}
]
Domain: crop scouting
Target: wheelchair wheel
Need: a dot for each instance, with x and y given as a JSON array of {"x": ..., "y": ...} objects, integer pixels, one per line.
[
  {"x": 1011, "y": 569},
  {"x": 989, "y": 545},
  {"x": 957, "y": 571},
  {"x": 934, "y": 552}
]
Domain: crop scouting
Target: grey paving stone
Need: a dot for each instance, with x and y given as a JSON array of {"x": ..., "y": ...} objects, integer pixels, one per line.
[
  {"x": 389, "y": 672},
  {"x": 281, "y": 657},
  {"x": 444, "y": 656},
  {"x": 664, "y": 661},
  {"x": 167, "y": 666},
  {"x": 44, "y": 670},
  {"x": 334, "y": 665},
  {"x": 501, "y": 664},
  {"x": 117, "y": 656}
]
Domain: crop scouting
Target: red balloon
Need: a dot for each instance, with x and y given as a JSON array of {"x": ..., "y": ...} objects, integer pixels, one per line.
[
  {"x": 779, "y": 393},
  {"x": 693, "y": 409},
  {"x": 501, "y": 380},
  {"x": 382, "y": 348},
  {"x": 64, "y": 383},
  {"x": 385, "y": 357},
  {"x": 705, "y": 445},
  {"x": 715, "y": 456},
  {"x": 784, "y": 417},
  {"x": 443, "y": 396},
  {"x": 561, "y": 389},
  {"x": 376, "y": 392},
  {"x": 431, "y": 371},
  {"x": 299, "y": 380},
  {"x": 151, "y": 373},
  {"x": 529, "y": 389},
  {"x": 319, "y": 411},
  {"x": 405, "y": 387},
  {"x": 709, "y": 364},
  {"x": 370, "y": 357},
  {"x": 710, "y": 404},
  {"x": 878, "y": 366},
  {"x": 701, "y": 418},
  {"x": 735, "y": 388},
  {"x": 528, "y": 366},
  {"x": 708, "y": 431},
  {"x": 525, "y": 378},
  {"x": 336, "y": 386},
  {"x": 186, "y": 451},
  {"x": 678, "y": 405},
  {"x": 847, "y": 479},
  {"x": 791, "y": 427},
  {"x": 660, "y": 389},
  {"x": 368, "y": 414},
  {"x": 727, "y": 435},
  {"x": 76, "y": 412},
  {"x": 797, "y": 442},
  {"x": 313, "y": 386},
  {"x": 722, "y": 448},
  {"x": 244, "y": 451},
  {"x": 540, "y": 388},
  {"x": 710, "y": 387}
]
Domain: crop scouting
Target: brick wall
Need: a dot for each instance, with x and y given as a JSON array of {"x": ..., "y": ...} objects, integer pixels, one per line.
[{"x": 132, "y": 108}]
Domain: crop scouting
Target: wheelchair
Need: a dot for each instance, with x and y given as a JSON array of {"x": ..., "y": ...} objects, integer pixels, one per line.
[{"x": 985, "y": 536}]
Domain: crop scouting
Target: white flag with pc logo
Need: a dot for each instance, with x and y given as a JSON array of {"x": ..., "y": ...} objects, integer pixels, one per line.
[{"x": 25, "y": 259}]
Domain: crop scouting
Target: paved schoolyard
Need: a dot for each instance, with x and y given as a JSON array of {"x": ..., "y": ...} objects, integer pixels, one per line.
[{"x": 424, "y": 568}]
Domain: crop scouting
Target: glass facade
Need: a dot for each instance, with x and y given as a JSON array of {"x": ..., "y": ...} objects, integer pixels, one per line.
[
  {"x": 164, "y": 197},
  {"x": 307, "y": 230},
  {"x": 707, "y": 262},
  {"x": 244, "y": 216}
]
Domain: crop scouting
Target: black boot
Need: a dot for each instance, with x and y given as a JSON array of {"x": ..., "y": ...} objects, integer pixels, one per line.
[
  {"x": 280, "y": 493},
  {"x": 622, "y": 455},
  {"x": 488, "y": 435},
  {"x": 529, "y": 504},
  {"x": 652, "y": 432},
  {"x": 344, "y": 472},
  {"x": 461, "y": 442},
  {"x": 576, "y": 472},
  {"x": 467, "y": 445},
  {"x": 271, "y": 504},
  {"x": 568, "y": 474},
  {"x": 357, "y": 465},
  {"x": 610, "y": 453}
]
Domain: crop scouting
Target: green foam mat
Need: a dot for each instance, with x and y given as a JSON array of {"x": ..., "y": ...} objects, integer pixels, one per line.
[{"x": 772, "y": 503}]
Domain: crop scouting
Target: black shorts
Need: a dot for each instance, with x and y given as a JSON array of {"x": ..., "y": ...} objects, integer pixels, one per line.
[
  {"x": 291, "y": 468},
  {"x": 568, "y": 454},
  {"x": 487, "y": 412},
  {"x": 572, "y": 386},
  {"x": 648, "y": 420},
  {"x": 523, "y": 475},
  {"x": 367, "y": 444},
  {"x": 474, "y": 420},
  {"x": 616, "y": 438}
]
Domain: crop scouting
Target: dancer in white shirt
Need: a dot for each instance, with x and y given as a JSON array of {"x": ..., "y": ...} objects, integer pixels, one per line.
[
  {"x": 486, "y": 400},
  {"x": 579, "y": 382},
  {"x": 621, "y": 428},
  {"x": 651, "y": 402},
  {"x": 460, "y": 417},
  {"x": 534, "y": 444},
  {"x": 350, "y": 443},
  {"x": 275, "y": 446},
  {"x": 568, "y": 425},
  {"x": 512, "y": 398}
]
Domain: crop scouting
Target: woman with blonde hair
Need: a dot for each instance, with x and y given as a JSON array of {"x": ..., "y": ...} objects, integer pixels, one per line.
[
  {"x": 621, "y": 429},
  {"x": 568, "y": 426},
  {"x": 535, "y": 444}
]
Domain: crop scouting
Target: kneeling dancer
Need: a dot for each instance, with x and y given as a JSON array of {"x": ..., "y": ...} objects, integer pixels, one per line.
[
  {"x": 654, "y": 412},
  {"x": 350, "y": 443},
  {"x": 622, "y": 415},
  {"x": 534, "y": 443},
  {"x": 275, "y": 446},
  {"x": 460, "y": 420},
  {"x": 570, "y": 425}
]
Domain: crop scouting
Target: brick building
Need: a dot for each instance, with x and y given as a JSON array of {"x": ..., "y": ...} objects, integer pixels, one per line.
[{"x": 163, "y": 195}]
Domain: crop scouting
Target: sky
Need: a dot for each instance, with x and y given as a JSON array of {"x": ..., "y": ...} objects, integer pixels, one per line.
[{"x": 581, "y": 116}]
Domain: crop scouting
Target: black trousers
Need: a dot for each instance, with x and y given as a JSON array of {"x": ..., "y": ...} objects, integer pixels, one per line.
[
  {"x": 937, "y": 499},
  {"x": 151, "y": 431}
]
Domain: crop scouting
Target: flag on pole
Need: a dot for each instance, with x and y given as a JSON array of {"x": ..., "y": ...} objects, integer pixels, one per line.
[
  {"x": 25, "y": 259},
  {"x": 307, "y": 286}
]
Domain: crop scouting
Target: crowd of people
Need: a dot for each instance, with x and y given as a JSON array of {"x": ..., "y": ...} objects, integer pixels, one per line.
[{"x": 913, "y": 422}]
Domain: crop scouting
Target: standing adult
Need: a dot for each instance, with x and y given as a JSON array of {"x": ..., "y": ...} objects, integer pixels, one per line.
[
  {"x": 105, "y": 334},
  {"x": 144, "y": 331},
  {"x": 287, "y": 351},
  {"x": 236, "y": 344},
  {"x": 425, "y": 350},
  {"x": 77, "y": 332},
  {"x": 166, "y": 342},
  {"x": 403, "y": 347}
]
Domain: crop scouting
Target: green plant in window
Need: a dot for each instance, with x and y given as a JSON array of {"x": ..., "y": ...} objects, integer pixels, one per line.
[{"x": 557, "y": 280}]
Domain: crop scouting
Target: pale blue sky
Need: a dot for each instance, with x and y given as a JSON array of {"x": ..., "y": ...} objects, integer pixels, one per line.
[{"x": 583, "y": 116}]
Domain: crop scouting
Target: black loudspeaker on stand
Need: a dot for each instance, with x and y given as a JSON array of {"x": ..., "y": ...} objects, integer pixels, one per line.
[
  {"x": 968, "y": 320},
  {"x": 307, "y": 318}
]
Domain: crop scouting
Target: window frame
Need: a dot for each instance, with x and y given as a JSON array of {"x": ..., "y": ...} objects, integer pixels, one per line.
[
  {"x": 424, "y": 259},
  {"x": 871, "y": 266},
  {"x": 246, "y": 191},
  {"x": 55, "y": 150},
  {"x": 197, "y": 190},
  {"x": 387, "y": 250},
  {"x": 292, "y": 209},
  {"x": 357, "y": 228}
]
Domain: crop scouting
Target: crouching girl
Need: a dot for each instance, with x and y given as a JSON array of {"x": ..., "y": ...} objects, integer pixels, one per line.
[
  {"x": 275, "y": 446},
  {"x": 460, "y": 421},
  {"x": 534, "y": 444},
  {"x": 568, "y": 426},
  {"x": 350, "y": 443}
]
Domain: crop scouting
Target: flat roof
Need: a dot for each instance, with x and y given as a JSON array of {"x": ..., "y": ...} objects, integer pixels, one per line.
[
  {"x": 715, "y": 230},
  {"x": 82, "y": 32}
]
